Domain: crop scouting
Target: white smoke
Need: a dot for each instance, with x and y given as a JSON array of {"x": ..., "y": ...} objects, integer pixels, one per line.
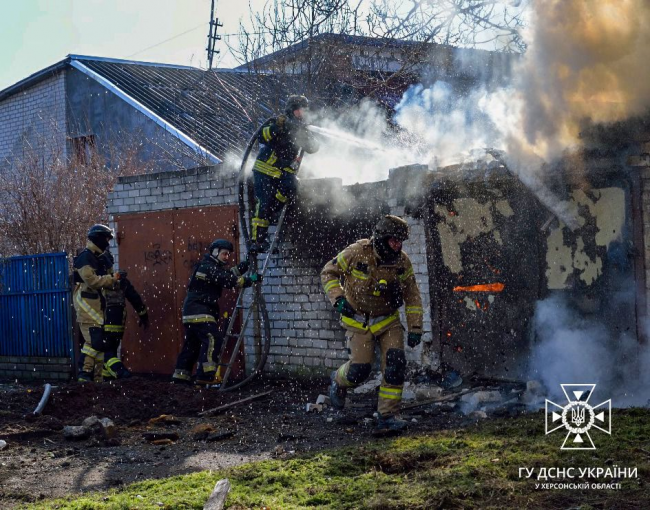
[
  {"x": 356, "y": 145},
  {"x": 571, "y": 349}
]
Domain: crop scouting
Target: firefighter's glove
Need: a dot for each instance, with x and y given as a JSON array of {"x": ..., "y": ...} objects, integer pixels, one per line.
[
  {"x": 343, "y": 307},
  {"x": 414, "y": 339},
  {"x": 144, "y": 320},
  {"x": 121, "y": 274},
  {"x": 242, "y": 267},
  {"x": 250, "y": 280}
]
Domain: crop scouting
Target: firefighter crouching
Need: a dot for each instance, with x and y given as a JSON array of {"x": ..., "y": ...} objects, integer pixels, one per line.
[
  {"x": 91, "y": 278},
  {"x": 367, "y": 283},
  {"x": 115, "y": 320},
  {"x": 281, "y": 139},
  {"x": 201, "y": 311}
]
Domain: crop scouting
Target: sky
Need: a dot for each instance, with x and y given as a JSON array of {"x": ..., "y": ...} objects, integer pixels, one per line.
[{"x": 37, "y": 33}]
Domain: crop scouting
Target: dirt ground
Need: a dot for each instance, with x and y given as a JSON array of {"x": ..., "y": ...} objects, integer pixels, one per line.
[{"x": 38, "y": 462}]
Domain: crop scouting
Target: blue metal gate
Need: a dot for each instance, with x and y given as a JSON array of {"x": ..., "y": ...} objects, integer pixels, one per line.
[{"x": 35, "y": 313}]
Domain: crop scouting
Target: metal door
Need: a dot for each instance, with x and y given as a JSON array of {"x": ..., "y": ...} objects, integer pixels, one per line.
[
  {"x": 159, "y": 251},
  {"x": 194, "y": 230},
  {"x": 146, "y": 251}
]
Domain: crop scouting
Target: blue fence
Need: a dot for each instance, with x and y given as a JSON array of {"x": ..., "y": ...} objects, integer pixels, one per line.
[{"x": 35, "y": 313}]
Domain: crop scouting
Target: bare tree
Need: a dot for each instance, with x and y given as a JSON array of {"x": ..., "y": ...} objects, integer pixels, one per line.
[
  {"x": 48, "y": 200},
  {"x": 401, "y": 38},
  {"x": 487, "y": 24}
]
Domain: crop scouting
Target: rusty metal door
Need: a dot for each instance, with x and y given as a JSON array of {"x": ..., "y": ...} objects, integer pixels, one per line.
[
  {"x": 194, "y": 230},
  {"x": 159, "y": 251},
  {"x": 146, "y": 251}
]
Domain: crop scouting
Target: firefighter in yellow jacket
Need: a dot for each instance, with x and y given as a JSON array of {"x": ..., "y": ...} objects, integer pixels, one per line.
[
  {"x": 367, "y": 283},
  {"x": 91, "y": 277}
]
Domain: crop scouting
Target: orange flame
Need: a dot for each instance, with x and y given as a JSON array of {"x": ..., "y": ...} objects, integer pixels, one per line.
[{"x": 487, "y": 287}]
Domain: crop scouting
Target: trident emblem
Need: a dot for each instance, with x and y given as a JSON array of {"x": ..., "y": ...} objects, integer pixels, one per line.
[{"x": 578, "y": 416}]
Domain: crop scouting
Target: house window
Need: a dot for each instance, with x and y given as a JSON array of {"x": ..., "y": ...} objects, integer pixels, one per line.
[{"x": 82, "y": 147}]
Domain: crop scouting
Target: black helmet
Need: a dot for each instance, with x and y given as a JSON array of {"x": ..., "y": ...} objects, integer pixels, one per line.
[
  {"x": 100, "y": 230},
  {"x": 391, "y": 226},
  {"x": 221, "y": 244},
  {"x": 100, "y": 235},
  {"x": 295, "y": 102}
]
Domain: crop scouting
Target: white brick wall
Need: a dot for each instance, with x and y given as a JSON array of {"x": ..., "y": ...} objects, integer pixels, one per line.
[
  {"x": 306, "y": 335},
  {"x": 36, "y": 116}
]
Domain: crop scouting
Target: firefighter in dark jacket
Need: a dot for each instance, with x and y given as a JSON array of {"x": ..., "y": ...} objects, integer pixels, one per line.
[
  {"x": 367, "y": 283},
  {"x": 91, "y": 278},
  {"x": 115, "y": 320},
  {"x": 281, "y": 139},
  {"x": 201, "y": 311}
]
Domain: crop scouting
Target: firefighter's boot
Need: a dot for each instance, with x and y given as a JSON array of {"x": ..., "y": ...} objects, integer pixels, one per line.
[
  {"x": 85, "y": 377},
  {"x": 337, "y": 393},
  {"x": 391, "y": 423}
]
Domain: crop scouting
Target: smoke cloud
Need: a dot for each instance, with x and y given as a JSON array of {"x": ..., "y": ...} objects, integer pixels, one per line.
[{"x": 571, "y": 349}]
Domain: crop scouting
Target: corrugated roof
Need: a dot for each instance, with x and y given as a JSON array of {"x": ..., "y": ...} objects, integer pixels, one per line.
[{"x": 219, "y": 110}]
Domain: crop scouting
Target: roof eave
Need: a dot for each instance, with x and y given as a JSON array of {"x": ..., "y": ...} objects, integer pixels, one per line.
[{"x": 35, "y": 78}]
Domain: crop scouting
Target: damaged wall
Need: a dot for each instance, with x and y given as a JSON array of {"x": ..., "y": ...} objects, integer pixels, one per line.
[{"x": 307, "y": 337}]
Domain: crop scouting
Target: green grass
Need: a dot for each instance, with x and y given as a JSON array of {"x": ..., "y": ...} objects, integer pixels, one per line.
[{"x": 475, "y": 467}]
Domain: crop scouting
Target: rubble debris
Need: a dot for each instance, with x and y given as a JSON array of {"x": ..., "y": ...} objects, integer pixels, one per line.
[
  {"x": 310, "y": 408},
  {"x": 330, "y": 419},
  {"x": 323, "y": 399},
  {"x": 3, "y": 444},
  {"x": 152, "y": 436},
  {"x": 162, "y": 442},
  {"x": 44, "y": 399},
  {"x": 534, "y": 393},
  {"x": 369, "y": 386},
  {"x": 447, "y": 398},
  {"x": 76, "y": 432},
  {"x": 481, "y": 397},
  {"x": 408, "y": 393},
  {"x": 164, "y": 419},
  {"x": 425, "y": 392},
  {"x": 201, "y": 431},
  {"x": 225, "y": 407},
  {"x": 108, "y": 428},
  {"x": 217, "y": 499},
  {"x": 220, "y": 436}
]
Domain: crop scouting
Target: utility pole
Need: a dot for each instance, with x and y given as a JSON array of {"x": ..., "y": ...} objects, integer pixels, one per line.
[{"x": 212, "y": 36}]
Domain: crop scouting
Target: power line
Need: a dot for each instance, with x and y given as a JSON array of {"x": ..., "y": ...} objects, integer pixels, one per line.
[{"x": 167, "y": 40}]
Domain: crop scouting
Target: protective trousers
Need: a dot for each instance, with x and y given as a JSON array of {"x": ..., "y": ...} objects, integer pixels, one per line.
[
  {"x": 271, "y": 194},
  {"x": 115, "y": 318},
  {"x": 203, "y": 344},
  {"x": 91, "y": 359},
  {"x": 361, "y": 348}
]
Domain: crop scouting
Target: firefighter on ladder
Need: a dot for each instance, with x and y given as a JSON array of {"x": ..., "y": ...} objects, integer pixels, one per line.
[
  {"x": 281, "y": 138},
  {"x": 115, "y": 320},
  {"x": 91, "y": 278},
  {"x": 367, "y": 283},
  {"x": 203, "y": 338}
]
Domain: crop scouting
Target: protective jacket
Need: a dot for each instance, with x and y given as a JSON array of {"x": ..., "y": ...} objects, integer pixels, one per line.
[
  {"x": 90, "y": 277},
  {"x": 375, "y": 290},
  {"x": 281, "y": 139},
  {"x": 204, "y": 290}
]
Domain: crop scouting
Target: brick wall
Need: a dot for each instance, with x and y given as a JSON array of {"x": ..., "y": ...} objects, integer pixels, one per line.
[
  {"x": 36, "y": 116},
  {"x": 35, "y": 368},
  {"x": 306, "y": 335}
]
